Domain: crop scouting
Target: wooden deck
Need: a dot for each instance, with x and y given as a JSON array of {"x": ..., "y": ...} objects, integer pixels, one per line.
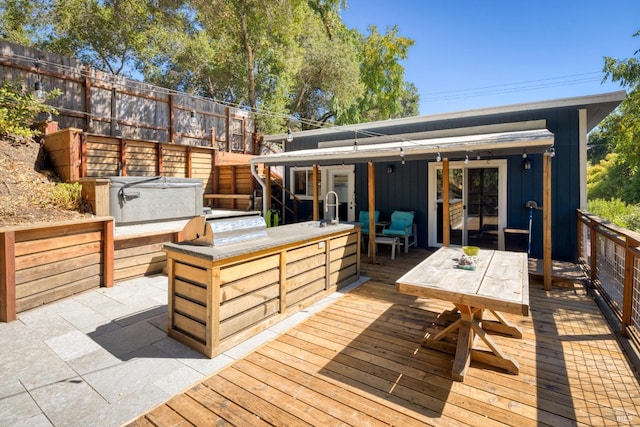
[{"x": 358, "y": 362}]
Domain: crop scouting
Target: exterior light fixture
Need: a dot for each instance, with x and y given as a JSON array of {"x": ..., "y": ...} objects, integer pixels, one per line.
[
  {"x": 193, "y": 121},
  {"x": 466, "y": 159},
  {"x": 390, "y": 169},
  {"x": 402, "y": 155},
  {"x": 526, "y": 164},
  {"x": 438, "y": 157},
  {"x": 289, "y": 135},
  {"x": 524, "y": 154},
  {"x": 478, "y": 156},
  {"x": 38, "y": 92}
]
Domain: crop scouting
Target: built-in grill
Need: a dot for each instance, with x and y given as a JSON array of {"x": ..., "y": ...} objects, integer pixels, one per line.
[{"x": 218, "y": 232}]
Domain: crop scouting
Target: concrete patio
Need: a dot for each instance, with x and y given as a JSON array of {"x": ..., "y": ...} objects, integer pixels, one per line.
[{"x": 102, "y": 358}]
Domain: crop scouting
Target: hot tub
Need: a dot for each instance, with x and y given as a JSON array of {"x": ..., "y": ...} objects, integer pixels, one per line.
[{"x": 140, "y": 199}]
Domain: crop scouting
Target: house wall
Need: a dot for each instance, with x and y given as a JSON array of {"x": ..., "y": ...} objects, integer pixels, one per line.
[{"x": 406, "y": 188}]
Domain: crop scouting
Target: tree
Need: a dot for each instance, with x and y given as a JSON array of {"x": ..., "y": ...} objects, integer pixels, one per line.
[
  {"x": 383, "y": 77},
  {"x": 19, "y": 20},
  {"x": 328, "y": 80},
  {"x": 292, "y": 62},
  {"x": 618, "y": 175}
]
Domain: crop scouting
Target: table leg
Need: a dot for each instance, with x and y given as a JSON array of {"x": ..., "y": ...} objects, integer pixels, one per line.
[
  {"x": 501, "y": 326},
  {"x": 469, "y": 329}
]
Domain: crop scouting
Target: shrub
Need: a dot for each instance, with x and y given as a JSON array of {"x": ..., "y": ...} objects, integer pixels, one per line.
[
  {"x": 617, "y": 212},
  {"x": 67, "y": 196},
  {"x": 18, "y": 109}
]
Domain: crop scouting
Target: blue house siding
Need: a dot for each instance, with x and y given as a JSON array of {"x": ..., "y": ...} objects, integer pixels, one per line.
[
  {"x": 407, "y": 187},
  {"x": 404, "y": 189}
]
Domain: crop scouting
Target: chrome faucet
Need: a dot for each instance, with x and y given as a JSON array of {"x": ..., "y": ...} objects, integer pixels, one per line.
[{"x": 326, "y": 205}]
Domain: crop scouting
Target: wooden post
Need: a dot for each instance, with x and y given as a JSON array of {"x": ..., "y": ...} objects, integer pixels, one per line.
[
  {"x": 283, "y": 281},
  {"x": 267, "y": 184},
  {"x": 446, "y": 221},
  {"x": 327, "y": 264},
  {"x": 316, "y": 202},
  {"x": 108, "y": 250},
  {"x": 547, "y": 262},
  {"x": 83, "y": 155},
  {"x": 234, "y": 186},
  {"x": 172, "y": 118},
  {"x": 593, "y": 237},
  {"x": 160, "y": 159},
  {"x": 189, "y": 168},
  {"x": 114, "y": 112},
  {"x": 216, "y": 177},
  {"x": 227, "y": 131},
  {"x": 87, "y": 99},
  {"x": 372, "y": 208},
  {"x": 7, "y": 276},
  {"x": 627, "y": 290},
  {"x": 123, "y": 157}
]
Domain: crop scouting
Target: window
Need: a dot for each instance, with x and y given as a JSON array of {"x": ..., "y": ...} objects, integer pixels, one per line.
[{"x": 302, "y": 182}]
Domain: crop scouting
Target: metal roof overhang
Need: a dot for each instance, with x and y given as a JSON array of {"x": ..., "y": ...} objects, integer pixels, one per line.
[{"x": 487, "y": 145}]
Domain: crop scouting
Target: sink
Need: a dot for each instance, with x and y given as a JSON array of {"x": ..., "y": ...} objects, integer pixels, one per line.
[{"x": 320, "y": 224}]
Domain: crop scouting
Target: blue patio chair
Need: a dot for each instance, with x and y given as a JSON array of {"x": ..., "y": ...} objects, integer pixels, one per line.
[
  {"x": 363, "y": 219},
  {"x": 402, "y": 226}
]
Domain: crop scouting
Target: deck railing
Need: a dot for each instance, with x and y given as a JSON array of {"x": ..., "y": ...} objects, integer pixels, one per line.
[{"x": 611, "y": 255}]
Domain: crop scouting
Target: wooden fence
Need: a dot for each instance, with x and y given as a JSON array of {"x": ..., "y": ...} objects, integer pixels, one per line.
[
  {"x": 44, "y": 263},
  {"x": 79, "y": 156},
  {"x": 611, "y": 255},
  {"x": 40, "y": 264},
  {"x": 111, "y": 105}
]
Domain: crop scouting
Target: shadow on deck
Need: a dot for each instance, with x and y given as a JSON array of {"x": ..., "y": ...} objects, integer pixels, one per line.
[{"x": 359, "y": 362}]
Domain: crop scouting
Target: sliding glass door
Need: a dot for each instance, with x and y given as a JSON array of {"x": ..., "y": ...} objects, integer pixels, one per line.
[{"x": 477, "y": 200}]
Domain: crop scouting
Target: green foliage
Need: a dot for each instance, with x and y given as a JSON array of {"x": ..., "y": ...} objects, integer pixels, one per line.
[
  {"x": 383, "y": 77},
  {"x": 614, "y": 152},
  {"x": 616, "y": 211},
  {"x": 67, "y": 195},
  {"x": 18, "y": 110},
  {"x": 292, "y": 62}
]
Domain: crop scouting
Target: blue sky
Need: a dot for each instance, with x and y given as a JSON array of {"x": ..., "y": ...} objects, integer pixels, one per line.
[{"x": 475, "y": 54}]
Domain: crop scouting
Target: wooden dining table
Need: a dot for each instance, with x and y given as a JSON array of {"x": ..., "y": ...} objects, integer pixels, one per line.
[{"x": 498, "y": 284}]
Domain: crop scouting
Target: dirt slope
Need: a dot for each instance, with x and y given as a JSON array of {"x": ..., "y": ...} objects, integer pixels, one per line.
[{"x": 25, "y": 187}]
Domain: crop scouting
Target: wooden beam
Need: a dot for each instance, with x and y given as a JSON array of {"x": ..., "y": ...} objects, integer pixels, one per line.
[
  {"x": 108, "y": 253},
  {"x": 87, "y": 99},
  {"x": 172, "y": 118},
  {"x": 7, "y": 276},
  {"x": 446, "y": 225},
  {"x": 234, "y": 178},
  {"x": 227, "y": 130},
  {"x": 546, "y": 222},
  {"x": 83, "y": 155},
  {"x": 159, "y": 159},
  {"x": 114, "y": 112},
  {"x": 627, "y": 290},
  {"x": 123, "y": 157},
  {"x": 267, "y": 184},
  {"x": 316, "y": 202},
  {"x": 189, "y": 168},
  {"x": 372, "y": 208}
]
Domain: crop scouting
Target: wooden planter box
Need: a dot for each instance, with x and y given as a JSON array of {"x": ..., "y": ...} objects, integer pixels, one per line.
[{"x": 221, "y": 296}]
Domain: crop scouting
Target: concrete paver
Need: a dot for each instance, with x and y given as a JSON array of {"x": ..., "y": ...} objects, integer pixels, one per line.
[{"x": 103, "y": 357}]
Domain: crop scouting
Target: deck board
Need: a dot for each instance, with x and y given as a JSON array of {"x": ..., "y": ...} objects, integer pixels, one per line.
[{"x": 359, "y": 362}]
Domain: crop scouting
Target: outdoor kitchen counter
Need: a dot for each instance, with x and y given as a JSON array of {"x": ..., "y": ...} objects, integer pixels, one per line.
[
  {"x": 221, "y": 295},
  {"x": 276, "y": 236}
]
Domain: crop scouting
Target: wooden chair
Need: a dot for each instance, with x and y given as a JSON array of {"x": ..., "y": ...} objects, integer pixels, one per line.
[{"x": 402, "y": 226}]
